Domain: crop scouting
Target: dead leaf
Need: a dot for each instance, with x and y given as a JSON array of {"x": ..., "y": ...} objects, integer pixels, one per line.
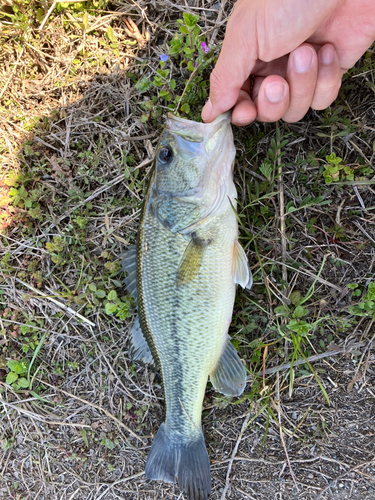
[{"x": 133, "y": 32}]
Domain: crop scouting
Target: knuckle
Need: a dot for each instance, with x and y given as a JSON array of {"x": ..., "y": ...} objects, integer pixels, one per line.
[
  {"x": 215, "y": 80},
  {"x": 324, "y": 96},
  {"x": 295, "y": 115}
]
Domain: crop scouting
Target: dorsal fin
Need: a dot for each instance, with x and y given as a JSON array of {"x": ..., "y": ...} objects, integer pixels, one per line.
[
  {"x": 140, "y": 350},
  {"x": 129, "y": 264}
]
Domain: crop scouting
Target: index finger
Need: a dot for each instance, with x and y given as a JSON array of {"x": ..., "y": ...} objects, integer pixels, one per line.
[{"x": 232, "y": 69}]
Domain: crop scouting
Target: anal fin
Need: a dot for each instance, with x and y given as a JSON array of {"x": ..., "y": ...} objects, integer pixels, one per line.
[
  {"x": 240, "y": 268},
  {"x": 229, "y": 375}
]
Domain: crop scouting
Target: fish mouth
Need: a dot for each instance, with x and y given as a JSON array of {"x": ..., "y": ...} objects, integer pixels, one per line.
[
  {"x": 197, "y": 131},
  {"x": 177, "y": 119}
]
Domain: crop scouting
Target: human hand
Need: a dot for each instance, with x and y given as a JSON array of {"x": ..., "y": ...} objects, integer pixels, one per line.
[{"x": 296, "y": 51}]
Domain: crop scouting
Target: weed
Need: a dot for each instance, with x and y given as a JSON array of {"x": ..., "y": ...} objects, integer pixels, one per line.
[
  {"x": 135, "y": 415},
  {"x": 297, "y": 328},
  {"x": 30, "y": 335},
  {"x": 116, "y": 306},
  {"x": 366, "y": 307},
  {"x": 70, "y": 254},
  {"x": 56, "y": 247},
  {"x": 17, "y": 374},
  {"x": 335, "y": 171},
  {"x": 7, "y": 443},
  {"x": 356, "y": 291},
  {"x": 191, "y": 53},
  {"x": 108, "y": 443},
  {"x": 309, "y": 201}
]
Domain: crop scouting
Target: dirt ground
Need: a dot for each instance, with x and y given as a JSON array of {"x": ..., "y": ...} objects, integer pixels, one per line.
[{"x": 83, "y": 425}]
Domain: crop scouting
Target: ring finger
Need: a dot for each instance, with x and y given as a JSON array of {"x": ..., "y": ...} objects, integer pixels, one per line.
[{"x": 301, "y": 76}]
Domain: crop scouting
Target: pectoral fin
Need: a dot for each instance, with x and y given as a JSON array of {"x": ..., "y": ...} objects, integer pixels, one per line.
[
  {"x": 191, "y": 260},
  {"x": 240, "y": 269},
  {"x": 229, "y": 375}
]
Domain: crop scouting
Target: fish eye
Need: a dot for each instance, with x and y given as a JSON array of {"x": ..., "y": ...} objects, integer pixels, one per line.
[{"x": 165, "y": 155}]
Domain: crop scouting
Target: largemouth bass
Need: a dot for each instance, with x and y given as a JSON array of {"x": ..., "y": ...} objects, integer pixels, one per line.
[{"x": 183, "y": 273}]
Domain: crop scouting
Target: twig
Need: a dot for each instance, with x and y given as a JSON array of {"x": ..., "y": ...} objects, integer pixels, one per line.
[
  {"x": 44, "y": 54},
  {"x": 123, "y": 480},
  {"x": 11, "y": 74},
  {"x": 357, "y": 376},
  {"x": 57, "y": 303},
  {"x": 102, "y": 189},
  {"x": 105, "y": 21},
  {"x": 284, "y": 271},
  {"x": 20, "y": 245},
  {"x": 355, "y": 183},
  {"x": 38, "y": 139},
  {"x": 280, "y": 188},
  {"x": 255, "y": 174},
  {"x": 96, "y": 484},
  {"x": 308, "y": 273},
  {"x": 47, "y": 15},
  {"x": 359, "y": 197},
  {"x": 315, "y": 357},
  {"x": 353, "y": 469},
  {"x": 218, "y": 19},
  {"x": 186, "y": 86},
  {"x": 234, "y": 453},
  {"x": 67, "y": 134},
  {"x": 281, "y": 462},
  {"x": 38, "y": 417},
  {"x": 143, "y": 13},
  {"x": 117, "y": 377},
  {"x": 282, "y": 434},
  {"x": 338, "y": 213},
  {"x": 187, "y": 8},
  {"x": 363, "y": 230},
  {"x": 93, "y": 405},
  {"x": 360, "y": 152}
]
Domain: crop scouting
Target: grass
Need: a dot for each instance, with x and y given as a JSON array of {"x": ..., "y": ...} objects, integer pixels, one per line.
[{"x": 82, "y": 103}]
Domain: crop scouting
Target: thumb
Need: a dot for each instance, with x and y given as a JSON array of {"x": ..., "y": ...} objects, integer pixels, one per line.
[{"x": 232, "y": 69}]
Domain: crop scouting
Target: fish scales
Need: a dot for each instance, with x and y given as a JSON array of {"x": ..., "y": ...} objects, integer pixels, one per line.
[
  {"x": 188, "y": 261},
  {"x": 189, "y": 324}
]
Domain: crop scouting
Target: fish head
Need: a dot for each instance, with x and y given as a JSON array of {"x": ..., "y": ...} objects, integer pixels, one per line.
[{"x": 194, "y": 165}]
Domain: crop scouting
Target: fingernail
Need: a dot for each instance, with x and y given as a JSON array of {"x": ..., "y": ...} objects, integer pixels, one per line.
[
  {"x": 302, "y": 59},
  {"x": 242, "y": 121},
  {"x": 327, "y": 54},
  {"x": 207, "y": 111},
  {"x": 275, "y": 91}
]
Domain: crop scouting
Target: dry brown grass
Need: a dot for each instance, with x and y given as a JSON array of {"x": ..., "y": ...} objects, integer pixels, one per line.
[{"x": 71, "y": 131}]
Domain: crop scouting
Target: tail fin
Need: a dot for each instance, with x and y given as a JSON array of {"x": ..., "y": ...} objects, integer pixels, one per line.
[{"x": 187, "y": 462}]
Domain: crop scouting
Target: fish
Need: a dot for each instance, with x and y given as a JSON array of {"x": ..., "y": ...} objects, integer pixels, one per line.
[{"x": 183, "y": 273}]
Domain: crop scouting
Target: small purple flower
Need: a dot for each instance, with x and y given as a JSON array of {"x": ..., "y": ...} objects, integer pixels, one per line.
[
  {"x": 204, "y": 47},
  {"x": 164, "y": 57}
]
